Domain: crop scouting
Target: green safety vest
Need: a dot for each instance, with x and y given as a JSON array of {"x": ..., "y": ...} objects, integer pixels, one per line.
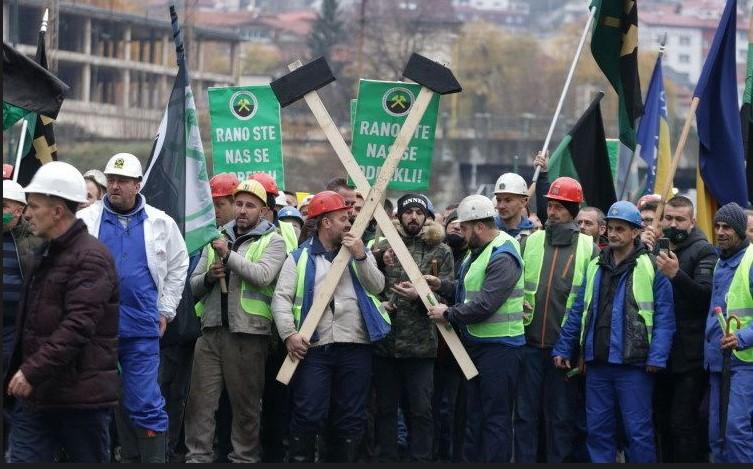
[
  {"x": 643, "y": 293},
  {"x": 288, "y": 235},
  {"x": 254, "y": 300},
  {"x": 533, "y": 258},
  {"x": 300, "y": 283},
  {"x": 373, "y": 241},
  {"x": 740, "y": 300},
  {"x": 507, "y": 321}
]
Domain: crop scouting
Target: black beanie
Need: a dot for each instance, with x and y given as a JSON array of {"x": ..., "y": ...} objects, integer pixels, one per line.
[
  {"x": 733, "y": 215},
  {"x": 412, "y": 200},
  {"x": 572, "y": 207}
]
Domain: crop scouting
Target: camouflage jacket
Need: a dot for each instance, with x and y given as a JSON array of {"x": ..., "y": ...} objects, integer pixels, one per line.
[{"x": 413, "y": 334}]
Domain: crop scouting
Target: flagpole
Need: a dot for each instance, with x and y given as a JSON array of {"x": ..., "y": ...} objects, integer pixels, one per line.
[
  {"x": 667, "y": 188},
  {"x": 20, "y": 150},
  {"x": 662, "y": 47},
  {"x": 545, "y": 147}
]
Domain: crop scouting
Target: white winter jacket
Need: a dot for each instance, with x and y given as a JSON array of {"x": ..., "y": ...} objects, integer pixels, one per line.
[{"x": 166, "y": 253}]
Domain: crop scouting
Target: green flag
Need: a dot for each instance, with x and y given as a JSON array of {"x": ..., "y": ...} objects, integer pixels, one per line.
[
  {"x": 614, "y": 45},
  {"x": 583, "y": 155}
]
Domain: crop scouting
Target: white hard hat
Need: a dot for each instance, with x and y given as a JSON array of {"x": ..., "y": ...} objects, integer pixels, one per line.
[
  {"x": 475, "y": 207},
  {"x": 124, "y": 164},
  {"x": 281, "y": 199},
  {"x": 59, "y": 179},
  {"x": 13, "y": 191},
  {"x": 511, "y": 183},
  {"x": 97, "y": 176}
]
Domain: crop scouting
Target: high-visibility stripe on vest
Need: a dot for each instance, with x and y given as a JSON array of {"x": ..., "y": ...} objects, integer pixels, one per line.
[
  {"x": 533, "y": 257},
  {"x": 740, "y": 300},
  {"x": 254, "y": 300},
  {"x": 642, "y": 292},
  {"x": 507, "y": 321},
  {"x": 300, "y": 268},
  {"x": 288, "y": 235}
]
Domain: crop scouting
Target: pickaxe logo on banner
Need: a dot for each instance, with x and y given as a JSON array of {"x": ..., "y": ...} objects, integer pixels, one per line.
[
  {"x": 397, "y": 101},
  {"x": 243, "y": 105},
  {"x": 302, "y": 82}
]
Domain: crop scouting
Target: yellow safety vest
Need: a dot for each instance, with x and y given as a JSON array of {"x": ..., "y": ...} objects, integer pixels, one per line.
[
  {"x": 643, "y": 293},
  {"x": 533, "y": 258},
  {"x": 254, "y": 300},
  {"x": 507, "y": 321},
  {"x": 740, "y": 300},
  {"x": 288, "y": 235}
]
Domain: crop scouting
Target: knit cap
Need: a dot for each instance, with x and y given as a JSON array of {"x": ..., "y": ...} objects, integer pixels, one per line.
[{"x": 733, "y": 215}]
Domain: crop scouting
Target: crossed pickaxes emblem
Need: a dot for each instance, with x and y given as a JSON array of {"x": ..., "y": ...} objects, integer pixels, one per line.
[{"x": 302, "y": 82}]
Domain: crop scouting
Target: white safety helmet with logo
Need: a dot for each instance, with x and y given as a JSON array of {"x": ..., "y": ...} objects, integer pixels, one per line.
[
  {"x": 58, "y": 179},
  {"x": 13, "y": 191},
  {"x": 511, "y": 183},
  {"x": 476, "y": 207},
  {"x": 124, "y": 164}
]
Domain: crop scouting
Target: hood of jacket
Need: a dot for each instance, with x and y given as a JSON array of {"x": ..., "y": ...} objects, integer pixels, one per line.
[{"x": 432, "y": 233}]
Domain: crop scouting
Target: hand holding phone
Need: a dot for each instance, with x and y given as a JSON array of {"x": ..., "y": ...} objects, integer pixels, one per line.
[{"x": 663, "y": 245}]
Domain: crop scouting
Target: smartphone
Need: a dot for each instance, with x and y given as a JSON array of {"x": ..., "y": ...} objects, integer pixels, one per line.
[{"x": 663, "y": 245}]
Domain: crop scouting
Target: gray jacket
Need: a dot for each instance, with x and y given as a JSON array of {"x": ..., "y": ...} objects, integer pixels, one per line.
[
  {"x": 259, "y": 274},
  {"x": 344, "y": 324}
]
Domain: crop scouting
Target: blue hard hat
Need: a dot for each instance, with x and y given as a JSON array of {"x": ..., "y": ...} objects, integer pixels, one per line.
[
  {"x": 625, "y": 211},
  {"x": 290, "y": 212}
]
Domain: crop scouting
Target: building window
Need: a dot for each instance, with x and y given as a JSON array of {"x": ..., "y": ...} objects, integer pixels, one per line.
[
  {"x": 684, "y": 58},
  {"x": 684, "y": 40}
]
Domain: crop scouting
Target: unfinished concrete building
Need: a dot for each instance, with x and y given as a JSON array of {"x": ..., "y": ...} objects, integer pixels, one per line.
[{"x": 120, "y": 66}]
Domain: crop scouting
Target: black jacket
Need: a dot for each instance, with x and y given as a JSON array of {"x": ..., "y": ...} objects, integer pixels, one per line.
[{"x": 692, "y": 293}]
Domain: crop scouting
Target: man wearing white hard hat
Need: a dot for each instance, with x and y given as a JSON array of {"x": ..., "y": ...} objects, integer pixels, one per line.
[
  {"x": 63, "y": 371},
  {"x": 489, "y": 315},
  {"x": 152, "y": 263},
  {"x": 511, "y": 194}
]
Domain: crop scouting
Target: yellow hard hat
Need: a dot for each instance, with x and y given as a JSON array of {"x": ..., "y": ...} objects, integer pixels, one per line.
[{"x": 253, "y": 187}]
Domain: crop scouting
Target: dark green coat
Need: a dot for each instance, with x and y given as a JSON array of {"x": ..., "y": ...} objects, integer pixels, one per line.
[{"x": 413, "y": 334}]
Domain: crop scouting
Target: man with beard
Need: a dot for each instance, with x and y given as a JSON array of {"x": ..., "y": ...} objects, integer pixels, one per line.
[
  {"x": 689, "y": 265},
  {"x": 333, "y": 381},
  {"x": 405, "y": 358},
  {"x": 555, "y": 262},
  {"x": 623, "y": 319},
  {"x": 732, "y": 294},
  {"x": 489, "y": 314},
  {"x": 236, "y": 327}
]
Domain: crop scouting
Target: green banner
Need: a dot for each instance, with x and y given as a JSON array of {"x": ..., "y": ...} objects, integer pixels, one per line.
[
  {"x": 381, "y": 109},
  {"x": 246, "y": 132}
]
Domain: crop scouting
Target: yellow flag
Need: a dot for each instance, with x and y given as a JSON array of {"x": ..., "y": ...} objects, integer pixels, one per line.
[{"x": 706, "y": 207}]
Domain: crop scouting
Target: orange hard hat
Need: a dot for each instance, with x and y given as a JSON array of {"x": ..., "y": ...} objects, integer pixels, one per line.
[
  {"x": 565, "y": 189},
  {"x": 223, "y": 184},
  {"x": 7, "y": 171},
  {"x": 268, "y": 182},
  {"x": 326, "y": 202}
]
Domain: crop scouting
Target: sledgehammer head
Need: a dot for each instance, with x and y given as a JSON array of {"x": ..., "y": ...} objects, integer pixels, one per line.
[
  {"x": 310, "y": 77},
  {"x": 432, "y": 75}
]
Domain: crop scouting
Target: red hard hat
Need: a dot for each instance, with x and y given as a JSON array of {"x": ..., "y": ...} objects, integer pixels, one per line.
[
  {"x": 326, "y": 202},
  {"x": 223, "y": 184},
  {"x": 565, "y": 189},
  {"x": 268, "y": 182},
  {"x": 648, "y": 199},
  {"x": 7, "y": 171}
]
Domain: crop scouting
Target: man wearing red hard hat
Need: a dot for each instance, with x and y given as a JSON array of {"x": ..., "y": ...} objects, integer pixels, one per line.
[
  {"x": 334, "y": 378},
  {"x": 555, "y": 262}
]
